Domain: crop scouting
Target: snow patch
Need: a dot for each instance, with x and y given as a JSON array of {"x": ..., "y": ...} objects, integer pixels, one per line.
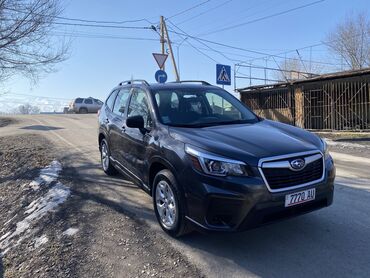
[
  {"x": 344, "y": 144},
  {"x": 70, "y": 232},
  {"x": 37, "y": 209},
  {"x": 40, "y": 241},
  {"x": 47, "y": 175}
]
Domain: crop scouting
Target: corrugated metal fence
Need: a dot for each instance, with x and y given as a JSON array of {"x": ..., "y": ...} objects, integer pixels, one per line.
[{"x": 337, "y": 103}]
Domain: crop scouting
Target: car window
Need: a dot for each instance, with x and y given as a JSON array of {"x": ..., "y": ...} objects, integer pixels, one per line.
[
  {"x": 220, "y": 106},
  {"x": 110, "y": 100},
  {"x": 88, "y": 101},
  {"x": 78, "y": 100},
  {"x": 121, "y": 101},
  {"x": 198, "y": 108},
  {"x": 98, "y": 102},
  {"x": 139, "y": 106}
]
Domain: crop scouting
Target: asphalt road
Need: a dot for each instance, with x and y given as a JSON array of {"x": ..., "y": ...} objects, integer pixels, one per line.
[{"x": 332, "y": 242}]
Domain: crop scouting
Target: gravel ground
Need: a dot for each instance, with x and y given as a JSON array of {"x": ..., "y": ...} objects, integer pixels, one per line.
[{"x": 84, "y": 236}]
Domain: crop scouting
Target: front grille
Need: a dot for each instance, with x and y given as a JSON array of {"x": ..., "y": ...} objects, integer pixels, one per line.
[{"x": 279, "y": 178}]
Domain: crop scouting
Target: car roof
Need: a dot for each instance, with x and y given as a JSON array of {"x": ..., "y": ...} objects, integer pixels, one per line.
[{"x": 174, "y": 85}]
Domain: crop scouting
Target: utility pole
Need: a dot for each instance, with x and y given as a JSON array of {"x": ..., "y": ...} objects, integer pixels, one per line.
[
  {"x": 162, "y": 36},
  {"x": 165, "y": 31}
]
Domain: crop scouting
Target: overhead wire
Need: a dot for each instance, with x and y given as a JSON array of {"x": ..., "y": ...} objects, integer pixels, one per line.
[
  {"x": 204, "y": 12},
  {"x": 262, "y": 18},
  {"x": 188, "y": 9}
]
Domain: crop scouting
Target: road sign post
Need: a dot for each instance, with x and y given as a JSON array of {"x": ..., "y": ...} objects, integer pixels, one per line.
[{"x": 223, "y": 74}]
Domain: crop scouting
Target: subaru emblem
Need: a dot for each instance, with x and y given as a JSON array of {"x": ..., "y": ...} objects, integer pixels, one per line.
[{"x": 297, "y": 164}]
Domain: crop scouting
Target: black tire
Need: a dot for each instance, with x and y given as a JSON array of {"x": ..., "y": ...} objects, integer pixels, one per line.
[
  {"x": 108, "y": 168},
  {"x": 83, "y": 111},
  {"x": 181, "y": 226}
]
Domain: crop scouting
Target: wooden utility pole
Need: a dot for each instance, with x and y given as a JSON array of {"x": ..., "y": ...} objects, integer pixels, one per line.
[
  {"x": 164, "y": 29},
  {"x": 162, "y": 36}
]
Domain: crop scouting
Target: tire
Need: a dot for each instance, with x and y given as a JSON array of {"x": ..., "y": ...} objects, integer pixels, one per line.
[
  {"x": 179, "y": 225},
  {"x": 106, "y": 164},
  {"x": 83, "y": 111}
]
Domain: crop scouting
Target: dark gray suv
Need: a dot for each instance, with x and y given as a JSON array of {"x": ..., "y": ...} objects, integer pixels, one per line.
[{"x": 208, "y": 161}]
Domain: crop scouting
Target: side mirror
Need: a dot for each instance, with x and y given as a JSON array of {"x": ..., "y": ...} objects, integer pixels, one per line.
[{"x": 135, "y": 122}]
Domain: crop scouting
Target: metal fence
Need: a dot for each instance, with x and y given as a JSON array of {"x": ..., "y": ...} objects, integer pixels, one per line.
[{"x": 327, "y": 103}]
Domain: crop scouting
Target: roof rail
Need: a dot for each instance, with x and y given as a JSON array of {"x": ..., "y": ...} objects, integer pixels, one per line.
[
  {"x": 132, "y": 81},
  {"x": 193, "y": 81}
]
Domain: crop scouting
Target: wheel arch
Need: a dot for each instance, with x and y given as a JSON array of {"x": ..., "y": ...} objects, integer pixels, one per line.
[{"x": 158, "y": 164}]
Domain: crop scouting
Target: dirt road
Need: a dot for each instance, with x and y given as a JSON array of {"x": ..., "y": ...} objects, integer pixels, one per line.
[{"x": 331, "y": 242}]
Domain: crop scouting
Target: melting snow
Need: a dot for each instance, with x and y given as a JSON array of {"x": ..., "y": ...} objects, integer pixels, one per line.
[
  {"x": 344, "y": 144},
  {"x": 47, "y": 175},
  {"x": 39, "y": 207},
  {"x": 40, "y": 241},
  {"x": 70, "y": 232}
]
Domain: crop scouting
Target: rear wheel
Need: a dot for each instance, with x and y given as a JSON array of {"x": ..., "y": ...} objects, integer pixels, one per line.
[
  {"x": 107, "y": 166},
  {"x": 169, "y": 204},
  {"x": 83, "y": 111}
]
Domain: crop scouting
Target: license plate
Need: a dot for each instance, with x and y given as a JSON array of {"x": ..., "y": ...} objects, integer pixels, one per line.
[{"x": 300, "y": 197}]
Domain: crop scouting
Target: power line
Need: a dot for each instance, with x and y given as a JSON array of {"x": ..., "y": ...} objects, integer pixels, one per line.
[
  {"x": 245, "y": 50},
  {"x": 262, "y": 18},
  {"x": 102, "y": 26},
  {"x": 188, "y": 9},
  {"x": 207, "y": 11},
  {"x": 99, "y": 36}
]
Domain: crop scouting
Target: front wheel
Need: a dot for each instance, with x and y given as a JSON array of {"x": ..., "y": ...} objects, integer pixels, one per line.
[
  {"x": 169, "y": 204},
  {"x": 105, "y": 160}
]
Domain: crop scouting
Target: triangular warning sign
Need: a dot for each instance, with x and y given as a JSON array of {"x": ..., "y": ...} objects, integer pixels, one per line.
[
  {"x": 223, "y": 76},
  {"x": 160, "y": 59}
]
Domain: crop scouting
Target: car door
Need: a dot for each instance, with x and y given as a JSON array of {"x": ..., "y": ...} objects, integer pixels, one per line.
[
  {"x": 136, "y": 142},
  {"x": 88, "y": 103},
  {"x": 117, "y": 125}
]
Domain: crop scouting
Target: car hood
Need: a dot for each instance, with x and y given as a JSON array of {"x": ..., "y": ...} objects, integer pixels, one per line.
[{"x": 249, "y": 142}]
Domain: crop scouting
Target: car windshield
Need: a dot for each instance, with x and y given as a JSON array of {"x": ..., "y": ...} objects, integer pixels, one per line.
[{"x": 200, "y": 108}]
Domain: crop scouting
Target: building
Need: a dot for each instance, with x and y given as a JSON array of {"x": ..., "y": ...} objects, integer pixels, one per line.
[{"x": 337, "y": 101}]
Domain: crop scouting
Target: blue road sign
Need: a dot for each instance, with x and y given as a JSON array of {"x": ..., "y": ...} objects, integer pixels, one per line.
[
  {"x": 223, "y": 74},
  {"x": 161, "y": 76}
]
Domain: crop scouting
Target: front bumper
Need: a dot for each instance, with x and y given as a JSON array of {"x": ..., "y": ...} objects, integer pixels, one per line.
[{"x": 240, "y": 203}]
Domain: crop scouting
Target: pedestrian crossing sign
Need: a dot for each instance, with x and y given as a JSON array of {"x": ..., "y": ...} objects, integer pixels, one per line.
[{"x": 223, "y": 74}]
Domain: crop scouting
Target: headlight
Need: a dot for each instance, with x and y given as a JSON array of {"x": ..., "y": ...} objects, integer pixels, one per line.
[
  {"x": 325, "y": 149},
  {"x": 215, "y": 165}
]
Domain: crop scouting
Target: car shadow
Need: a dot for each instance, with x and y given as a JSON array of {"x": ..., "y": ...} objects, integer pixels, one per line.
[
  {"x": 41, "y": 127},
  {"x": 328, "y": 242},
  {"x": 1, "y": 268}
]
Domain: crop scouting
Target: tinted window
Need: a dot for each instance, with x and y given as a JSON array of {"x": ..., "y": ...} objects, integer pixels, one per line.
[
  {"x": 110, "y": 100},
  {"x": 78, "y": 100},
  {"x": 139, "y": 106},
  {"x": 121, "y": 101},
  {"x": 201, "y": 108},
  {"x": 88, "y": 101},
  {"x": 98, "y": 102}
]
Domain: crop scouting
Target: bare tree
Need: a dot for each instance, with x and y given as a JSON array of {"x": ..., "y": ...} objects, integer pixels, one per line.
[
  {"x": 26, "y": 46},
  {"x": 294, "y": 69},
  {"x": 350, "y": 41},
  {"x": 27, "y": 109}
]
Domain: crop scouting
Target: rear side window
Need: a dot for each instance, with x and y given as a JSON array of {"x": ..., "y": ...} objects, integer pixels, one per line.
[
  {"x": 88, "y": 101},
  {"x": 121, "y": 101},
  {"x": 79, "y": 100},
  {"x": 110, "y": 100}
]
